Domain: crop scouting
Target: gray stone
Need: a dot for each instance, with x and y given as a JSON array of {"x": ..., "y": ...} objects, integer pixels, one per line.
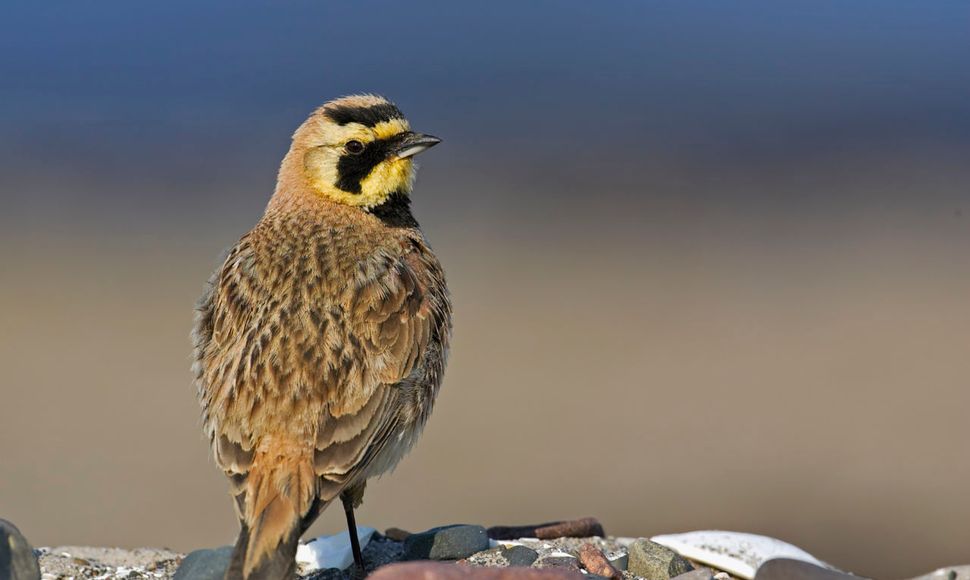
[
  {"x": 655, "y": 562},
  {"x": 787, "y": 569},
  {"x": 619, "y": 560},
  {"x": 17, "y": 558},
  {"x": 446, "y": 543},
  {"x": 559, "y": 562},
  {"x": 204, "y": 564},
  {"x": 520, "y": 555}
]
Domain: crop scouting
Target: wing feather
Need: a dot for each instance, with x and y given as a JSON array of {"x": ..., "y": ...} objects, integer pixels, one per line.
[{"x": 342, "y": 363}]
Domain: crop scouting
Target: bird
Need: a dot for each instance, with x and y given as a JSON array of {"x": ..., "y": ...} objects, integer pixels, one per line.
[{"x": 320, "y": 342}]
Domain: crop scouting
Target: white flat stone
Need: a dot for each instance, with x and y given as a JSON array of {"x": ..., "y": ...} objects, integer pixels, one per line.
[
  {"x": 331, "y": 551},
  {"x": 951, "y": 573},
  {"x": 736, "y": 552}
]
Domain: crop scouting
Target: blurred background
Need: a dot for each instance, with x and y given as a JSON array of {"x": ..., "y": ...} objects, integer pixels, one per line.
[{"x": 709, "y": 260}]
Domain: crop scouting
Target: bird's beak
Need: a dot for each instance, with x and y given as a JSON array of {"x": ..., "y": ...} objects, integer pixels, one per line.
[{"x": 414, "y": 143}]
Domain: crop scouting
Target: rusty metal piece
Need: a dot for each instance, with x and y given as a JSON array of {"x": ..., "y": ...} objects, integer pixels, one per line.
[
  {"x": 516, "y": 532},
  {"x": 582, "y": 528},
  {"x": 595, "y": 562}
]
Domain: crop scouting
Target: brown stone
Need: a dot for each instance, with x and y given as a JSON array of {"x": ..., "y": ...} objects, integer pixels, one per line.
[
  {"x": 595, "y": 562},
  {"x": 443, "y": 571}
]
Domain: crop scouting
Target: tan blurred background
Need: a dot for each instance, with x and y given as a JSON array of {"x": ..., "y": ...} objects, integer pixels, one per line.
[{"x": 724, "y": 288}]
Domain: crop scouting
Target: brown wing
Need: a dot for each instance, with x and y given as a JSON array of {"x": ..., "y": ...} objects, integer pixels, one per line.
[
  {"x": 345, "y": 360},
  {"x": 400, "y": 323},
  {"x": 215, "y": 357}
]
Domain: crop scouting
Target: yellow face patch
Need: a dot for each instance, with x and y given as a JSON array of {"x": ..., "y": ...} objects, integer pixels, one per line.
[
  {"x": 388, "y": 177},
  {"x": 322, "y": 167}
]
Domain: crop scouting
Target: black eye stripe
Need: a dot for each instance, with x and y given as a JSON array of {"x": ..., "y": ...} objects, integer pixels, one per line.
[{"x": 352, "y": 169}]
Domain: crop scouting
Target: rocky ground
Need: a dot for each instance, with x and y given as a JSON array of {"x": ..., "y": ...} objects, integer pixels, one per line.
[{"x": 571, "y": 550}]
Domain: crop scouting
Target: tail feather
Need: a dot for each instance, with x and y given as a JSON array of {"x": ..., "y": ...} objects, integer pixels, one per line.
[
  {"x": 277, "y": 564},
  {"x": 275, "y": 501}
]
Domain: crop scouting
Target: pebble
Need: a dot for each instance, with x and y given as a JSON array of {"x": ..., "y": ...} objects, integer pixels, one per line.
[
  {"x": 564, "y": 561},
  {"x": 442, "y": 571},
  {"x": 207, "y": 564},
  {"x": 788, "y": 569},
  {"x": 655, "y": 562},
  {"x": 595, "y": 562},
  {"x": 446, "y": 543},
  {"x": 17, "y": 559},
  {"x": 619, "y": 560},
  {"x": 524, "y": 558},
  {"x": 519, "y": 555}
]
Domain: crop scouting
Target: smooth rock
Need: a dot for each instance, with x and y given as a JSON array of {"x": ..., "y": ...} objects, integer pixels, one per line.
[
  {"x": 443, "y": 571},
  {"x": 736, "y": 552},
  {"x": 17, "y": 559},
  {"x": 204, "y": 564},
  {"x": 520, "y": 555},
  {"x": 446, "y": 543},
  {"x": 788, "y": 569},
  {"x": 655, "y": 562}
]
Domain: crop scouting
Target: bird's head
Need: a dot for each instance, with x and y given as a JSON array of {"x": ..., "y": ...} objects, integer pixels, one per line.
[{"x": 357, "y": 151}]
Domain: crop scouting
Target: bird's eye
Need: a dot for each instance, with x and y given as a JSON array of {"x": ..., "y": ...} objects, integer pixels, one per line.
[{"x": 354, "y": 147}]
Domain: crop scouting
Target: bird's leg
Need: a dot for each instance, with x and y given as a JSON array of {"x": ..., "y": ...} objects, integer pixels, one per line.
[{"x": 348, "y": 500}]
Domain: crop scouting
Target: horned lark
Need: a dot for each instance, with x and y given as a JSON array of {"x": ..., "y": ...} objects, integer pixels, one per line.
[{"x": 321, "y": 340}]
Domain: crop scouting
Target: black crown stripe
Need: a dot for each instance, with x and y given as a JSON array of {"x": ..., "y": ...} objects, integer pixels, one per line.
[{"x": 367, "y": 116}]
